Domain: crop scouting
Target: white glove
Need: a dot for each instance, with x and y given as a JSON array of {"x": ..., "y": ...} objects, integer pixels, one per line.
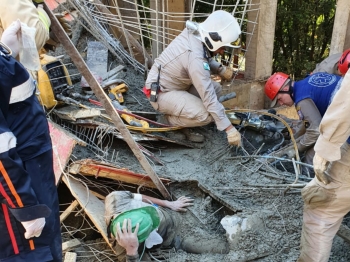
[
  {"x": 234, "y": 137},
  {"x": 10, "y": 37},
  {"x": 34, "y": 227},
  {"x": 320, "y": 166}
]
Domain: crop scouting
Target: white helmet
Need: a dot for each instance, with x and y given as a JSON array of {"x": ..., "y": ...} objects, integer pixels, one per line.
[{"x": 219, "y": 29}]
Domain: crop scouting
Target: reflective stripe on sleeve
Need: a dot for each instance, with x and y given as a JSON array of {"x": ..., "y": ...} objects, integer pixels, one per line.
[
  {"x": 22, "y": 92},
  {"x": 44, "y": 19},
  {"x": 8, "y": 141}
]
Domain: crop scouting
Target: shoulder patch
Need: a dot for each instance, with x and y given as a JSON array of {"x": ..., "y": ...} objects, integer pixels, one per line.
[
  {"x": 206, "y": 66},
  {"x": 300, "y": 114}
]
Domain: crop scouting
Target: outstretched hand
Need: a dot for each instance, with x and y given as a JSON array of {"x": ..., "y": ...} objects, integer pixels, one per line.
[
  {"x": 180, "y": 204},
  {"x": 126, "y": 238}
]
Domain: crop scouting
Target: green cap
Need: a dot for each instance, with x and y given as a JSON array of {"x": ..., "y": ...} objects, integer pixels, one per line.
[{"x": 147, "y": 217}]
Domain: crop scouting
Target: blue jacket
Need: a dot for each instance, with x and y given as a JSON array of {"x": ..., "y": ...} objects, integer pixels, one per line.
[{"x": 24, "y": 135}]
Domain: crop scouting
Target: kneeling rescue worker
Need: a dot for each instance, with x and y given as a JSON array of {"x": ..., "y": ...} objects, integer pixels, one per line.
[{"x": 179, "y": 84}]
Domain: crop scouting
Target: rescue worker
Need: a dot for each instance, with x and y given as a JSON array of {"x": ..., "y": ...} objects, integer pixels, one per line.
[
  {"x": 137, "y": 221},
  {"x": 29, "y": 217},
  {"x": 326, "y": 197},
  {"x": 33, "y": 15},
  {"x": 329, "y": 65},
  {"x": 311, "y": 97},
  {"x": 187, "y": 96}
]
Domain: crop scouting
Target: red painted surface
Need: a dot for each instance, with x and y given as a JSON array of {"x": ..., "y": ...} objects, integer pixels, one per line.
[
  {"x": 52, "y": 4},
  {"x": 62, "y": 146}
]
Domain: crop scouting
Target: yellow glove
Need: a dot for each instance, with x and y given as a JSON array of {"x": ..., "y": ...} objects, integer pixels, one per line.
[
  {"x": 226, "y": 73},
  {"x": 64, "y": 23},
  {"x": 234, "y": 137},
  {"x": 320, "y": 166}
]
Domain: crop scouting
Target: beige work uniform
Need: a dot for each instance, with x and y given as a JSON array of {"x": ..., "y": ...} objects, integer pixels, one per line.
[
  {"x": 26, "y": 12},
  {"x": 326, "y": 205},
  {"x": 188, "y": 96},
  {"x": 329, "y": 65}
]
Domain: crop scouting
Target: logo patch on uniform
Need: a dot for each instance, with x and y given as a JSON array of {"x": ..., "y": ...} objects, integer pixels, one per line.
[
  {"x": 322, "y": 79},
  {"x": 206, "y": 66}
]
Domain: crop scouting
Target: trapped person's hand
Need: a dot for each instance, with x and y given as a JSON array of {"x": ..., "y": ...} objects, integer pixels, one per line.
[
  {"x": 126, "y": 238},
  {"x": 33, "y": 227},
  {"x": 234, "y": 137},
  {"x": 320, "y": 166},
  {"x": 10, "y": 37},
  {"x": 180, "y": 204}
]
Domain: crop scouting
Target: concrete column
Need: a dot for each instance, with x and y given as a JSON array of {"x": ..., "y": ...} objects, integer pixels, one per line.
[
  {"x": 258, "y": 58},
  {"x": 258, "y": 63},
  {"x": 157, "y": 27},
  {"x": 340, "y": 27},
  {"x": 347, "y": 37},
  {"x": 176, "y": 23}
]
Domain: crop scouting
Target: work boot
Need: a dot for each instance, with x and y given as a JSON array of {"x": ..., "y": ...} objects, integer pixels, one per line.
[{"x": 192, "y": 136}]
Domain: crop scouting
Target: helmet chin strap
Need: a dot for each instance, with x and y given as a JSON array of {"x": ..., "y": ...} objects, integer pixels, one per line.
[{"x": 290, "y": 90}]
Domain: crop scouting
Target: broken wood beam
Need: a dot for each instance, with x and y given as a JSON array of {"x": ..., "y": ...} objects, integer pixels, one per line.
[
  {"x": 68, "y": 210},
  {"x": 90, "y": 167},
  {"x": 103, "y": 98}
]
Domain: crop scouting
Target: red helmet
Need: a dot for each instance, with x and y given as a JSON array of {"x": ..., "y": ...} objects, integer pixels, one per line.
[
  {"x": 344, "y": 62},
  {"x": 274, "y": 85}
]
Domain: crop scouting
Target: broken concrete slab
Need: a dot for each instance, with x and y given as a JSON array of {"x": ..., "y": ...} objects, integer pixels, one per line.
[
  {"x": 70, "y": 244},
  {"x": 70, "y": 257},
  {"x": 97, "y": 57}
]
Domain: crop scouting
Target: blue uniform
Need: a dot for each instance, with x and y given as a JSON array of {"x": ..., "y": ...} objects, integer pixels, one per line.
[
  {"x": 27, "y": 181},
  {"x": 318, "y": 87}
]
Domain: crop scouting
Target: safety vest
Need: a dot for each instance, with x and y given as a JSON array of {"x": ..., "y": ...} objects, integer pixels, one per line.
[{"x": 318, "y": 87}]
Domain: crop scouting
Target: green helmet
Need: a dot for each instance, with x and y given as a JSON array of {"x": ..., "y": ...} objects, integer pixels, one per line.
[{"x": 147, "y": 217}]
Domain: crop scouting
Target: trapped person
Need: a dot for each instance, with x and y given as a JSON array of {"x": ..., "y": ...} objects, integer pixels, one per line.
[
  {"x": 326, "y": 197},
  {"x": 311, "y": 97},
  {"x": 137, "y": 221},
  {"x": 187, "y": 96},
  {"x": 29, "y": 219}
]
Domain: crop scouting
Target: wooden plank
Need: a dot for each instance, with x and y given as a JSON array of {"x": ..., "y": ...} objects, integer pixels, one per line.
[
  {"x": 70, "y": 244},
  {"x": 68, "y": 210},
  {"x": 92, "y": 206},
  {"x": 70, "y": 257}
]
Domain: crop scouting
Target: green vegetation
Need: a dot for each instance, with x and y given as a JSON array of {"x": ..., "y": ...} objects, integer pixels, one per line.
[{"x": 303, "y": 35}]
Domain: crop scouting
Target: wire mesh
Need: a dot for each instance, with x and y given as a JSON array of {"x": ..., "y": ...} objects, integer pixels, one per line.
[{"x": 154, "y": 25}]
